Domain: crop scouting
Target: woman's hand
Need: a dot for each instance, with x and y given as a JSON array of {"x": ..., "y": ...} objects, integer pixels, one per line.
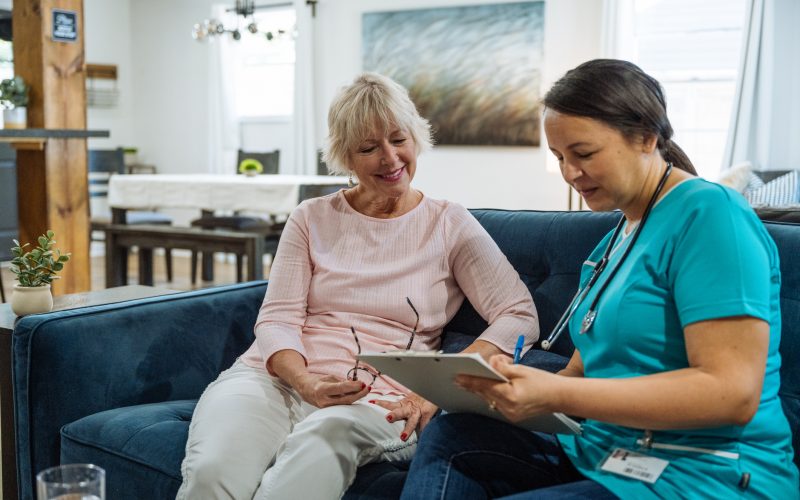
[
  {"x": 327, "y": 390},
  {"x": 319, "y": 390},
  {"x": 528, "y": 392},
  {"x": 417, "y": 412}
]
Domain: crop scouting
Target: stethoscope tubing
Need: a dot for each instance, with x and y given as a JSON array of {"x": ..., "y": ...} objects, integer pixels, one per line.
[{"x": 598, "y": 270}]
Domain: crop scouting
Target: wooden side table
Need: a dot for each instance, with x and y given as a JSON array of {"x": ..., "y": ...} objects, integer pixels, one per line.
[{"x": 8, "y": 461}]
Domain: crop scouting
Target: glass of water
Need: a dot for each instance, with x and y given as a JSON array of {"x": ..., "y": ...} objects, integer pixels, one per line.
[{"x": 71, "y": 482}]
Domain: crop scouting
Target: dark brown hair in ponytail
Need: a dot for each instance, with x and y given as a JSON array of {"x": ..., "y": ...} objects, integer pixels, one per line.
[{"x": 621, "y": 95}]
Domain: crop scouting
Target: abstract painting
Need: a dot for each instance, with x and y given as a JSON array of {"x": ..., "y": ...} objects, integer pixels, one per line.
[{"x": 473, "y": 71}]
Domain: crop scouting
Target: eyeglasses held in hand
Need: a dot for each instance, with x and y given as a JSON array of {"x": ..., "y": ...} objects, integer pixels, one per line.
[{"x": 352, "y": 373}]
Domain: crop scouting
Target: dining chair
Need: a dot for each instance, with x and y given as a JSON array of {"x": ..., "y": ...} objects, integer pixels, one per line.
[
  {"x": 266, "y": 224},
  {"x": 322, "y": 167},
  {"x": 270, "y": 160},
  {"x": 103, "y": 163}
]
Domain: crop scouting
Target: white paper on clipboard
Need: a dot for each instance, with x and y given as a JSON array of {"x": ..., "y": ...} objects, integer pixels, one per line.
[{"x": 432, "y": 374}]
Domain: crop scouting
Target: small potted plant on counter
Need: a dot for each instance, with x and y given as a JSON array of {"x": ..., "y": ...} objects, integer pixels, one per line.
[
  {"x": 250, "y": 167},
  {"x": 14, "y": 97},
  {"x": 35, "y": 269}
]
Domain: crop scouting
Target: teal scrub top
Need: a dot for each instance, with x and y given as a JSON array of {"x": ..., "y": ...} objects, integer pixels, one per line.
[{"x": 702, "y": 254}]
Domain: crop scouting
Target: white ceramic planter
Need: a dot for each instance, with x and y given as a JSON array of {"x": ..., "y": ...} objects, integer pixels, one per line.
[
  {"x": 15, "y": 118},
  {"x": 31, "y": 299}
]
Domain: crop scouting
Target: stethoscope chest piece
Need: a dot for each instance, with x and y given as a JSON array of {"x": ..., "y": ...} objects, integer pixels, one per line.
[{"x": 588, "y": 321}]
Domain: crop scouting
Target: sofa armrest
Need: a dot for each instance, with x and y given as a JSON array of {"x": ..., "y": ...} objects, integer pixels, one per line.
[{"x": 70, "y": 364}]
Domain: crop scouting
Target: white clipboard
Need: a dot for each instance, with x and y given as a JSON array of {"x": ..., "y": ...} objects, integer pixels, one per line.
[{"x": 432, "y": 375}]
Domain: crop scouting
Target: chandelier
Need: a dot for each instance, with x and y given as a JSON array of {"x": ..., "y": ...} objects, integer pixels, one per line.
[{"x": 244, "y": 10}]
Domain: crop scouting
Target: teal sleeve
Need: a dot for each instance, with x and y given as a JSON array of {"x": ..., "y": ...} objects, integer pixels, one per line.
[{"x": 721, "y": 265}]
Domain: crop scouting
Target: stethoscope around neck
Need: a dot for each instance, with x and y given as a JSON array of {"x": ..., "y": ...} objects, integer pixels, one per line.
[{"x": 591, "y": 314}]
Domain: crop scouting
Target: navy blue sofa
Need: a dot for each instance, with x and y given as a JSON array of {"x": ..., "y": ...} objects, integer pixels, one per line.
[{"x": 116, "y": 385}]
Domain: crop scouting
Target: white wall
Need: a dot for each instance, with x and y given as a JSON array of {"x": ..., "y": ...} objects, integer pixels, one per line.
[
  {"x": 502, "y": 177},
  {"x": 107, "y": 40},
  {"x": 170, "y": 70},
  {"x": 164, "y": 79}
]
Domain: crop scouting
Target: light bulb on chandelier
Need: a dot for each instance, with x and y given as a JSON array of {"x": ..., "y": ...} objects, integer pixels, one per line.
[{"x": 211, "y": 28}]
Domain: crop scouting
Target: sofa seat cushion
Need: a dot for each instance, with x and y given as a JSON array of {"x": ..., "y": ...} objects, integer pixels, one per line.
[{"x": 145, "y": 441}]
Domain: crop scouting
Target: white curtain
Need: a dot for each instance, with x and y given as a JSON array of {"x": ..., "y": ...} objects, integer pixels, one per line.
[
  {"x": 224, "y": 136},
  {"x": 305, "y": 147},
  {"x": 765, "y": 120},
  {"x": 619, "y": 25}
]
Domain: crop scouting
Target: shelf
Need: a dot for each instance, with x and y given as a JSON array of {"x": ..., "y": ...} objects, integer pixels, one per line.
[
  {"x": 34, "y": 138},
  {"x": 101, "y": 71}
]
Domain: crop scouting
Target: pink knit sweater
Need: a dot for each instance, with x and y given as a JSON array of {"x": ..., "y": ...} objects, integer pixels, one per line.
[{"x": 336, "y": 268}]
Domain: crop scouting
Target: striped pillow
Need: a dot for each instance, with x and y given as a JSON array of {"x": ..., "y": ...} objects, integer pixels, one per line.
[{"x": 777, "y": 192}]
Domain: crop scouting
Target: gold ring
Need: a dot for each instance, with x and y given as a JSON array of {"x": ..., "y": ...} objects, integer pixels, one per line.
[{"x": 493, "y": 406}]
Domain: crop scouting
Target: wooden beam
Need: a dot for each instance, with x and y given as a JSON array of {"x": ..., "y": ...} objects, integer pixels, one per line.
[{"x": 52, "y": 184}]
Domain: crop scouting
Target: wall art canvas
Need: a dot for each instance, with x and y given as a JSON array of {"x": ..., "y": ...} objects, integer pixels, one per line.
[{"x": 473, "y": 71}]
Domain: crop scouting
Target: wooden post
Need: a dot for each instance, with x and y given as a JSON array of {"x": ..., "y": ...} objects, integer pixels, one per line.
[{"x": 52, "y": 182}]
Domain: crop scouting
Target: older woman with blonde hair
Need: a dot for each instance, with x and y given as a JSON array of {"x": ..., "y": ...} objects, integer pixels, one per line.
[{"x": 376, "y": 267}]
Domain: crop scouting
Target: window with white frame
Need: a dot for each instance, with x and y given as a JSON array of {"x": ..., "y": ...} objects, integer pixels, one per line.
[
  {"x": 694, "y": 49},
  {"x": 263, "y": 65}
]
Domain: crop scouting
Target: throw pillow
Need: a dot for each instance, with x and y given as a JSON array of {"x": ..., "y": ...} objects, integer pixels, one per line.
[
  {"x": 737, "y": 177},
  {"x": 777, "y": 192},
  {"x": 753, "y": 182}
]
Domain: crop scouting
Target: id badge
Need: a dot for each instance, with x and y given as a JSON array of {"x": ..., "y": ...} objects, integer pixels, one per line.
[{"x": 634, "y": 465}]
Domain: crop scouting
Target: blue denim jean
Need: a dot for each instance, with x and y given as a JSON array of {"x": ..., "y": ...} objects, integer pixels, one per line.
[{"x": 465, "y": 456}]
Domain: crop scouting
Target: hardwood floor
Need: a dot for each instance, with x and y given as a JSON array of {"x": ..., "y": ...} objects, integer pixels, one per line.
[{"x": 224, "y": 273}]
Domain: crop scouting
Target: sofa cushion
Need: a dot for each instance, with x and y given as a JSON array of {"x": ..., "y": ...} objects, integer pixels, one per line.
[
  {"x": 786, "y": 238},
  {"x": 145, "y": 443},
  {"x": 546, "y": 249}
]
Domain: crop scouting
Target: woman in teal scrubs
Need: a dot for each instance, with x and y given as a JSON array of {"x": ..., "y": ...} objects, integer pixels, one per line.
[{"x": 676, "y": 331}]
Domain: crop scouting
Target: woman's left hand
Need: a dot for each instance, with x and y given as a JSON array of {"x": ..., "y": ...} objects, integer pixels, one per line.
[
  {"x": 417, "y": 412},
  {"x": 528, "y": 392}
]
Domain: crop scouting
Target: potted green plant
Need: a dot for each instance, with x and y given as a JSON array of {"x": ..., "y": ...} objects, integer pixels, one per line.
[
  {"x": 250, "y": 167},
  {"x": 14, "y": 98},
  {"x": 35, "y": 269}
]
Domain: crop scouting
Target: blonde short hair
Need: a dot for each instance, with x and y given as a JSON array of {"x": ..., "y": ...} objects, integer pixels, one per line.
[{"x": 372, "y": 100}]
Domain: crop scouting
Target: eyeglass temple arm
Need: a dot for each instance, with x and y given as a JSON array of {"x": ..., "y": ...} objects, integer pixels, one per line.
[{"x": 414, "y": 331}]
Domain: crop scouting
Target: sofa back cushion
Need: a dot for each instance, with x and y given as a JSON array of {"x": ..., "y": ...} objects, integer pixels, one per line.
[
  {"x": 547, "y": 249},
  {"x": 787, "y": 237}
]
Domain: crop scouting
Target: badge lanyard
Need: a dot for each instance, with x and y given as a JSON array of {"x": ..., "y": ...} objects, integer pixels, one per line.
[{"x": 591, "y": 315}]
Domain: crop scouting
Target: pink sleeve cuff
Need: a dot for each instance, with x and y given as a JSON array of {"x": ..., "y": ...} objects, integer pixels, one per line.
[
  {"x": 504, "y": 332},
  {"x": 274, "y": 337}
]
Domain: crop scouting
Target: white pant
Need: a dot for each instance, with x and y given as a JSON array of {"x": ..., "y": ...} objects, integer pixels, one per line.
[{"x": 252, "y": 437}]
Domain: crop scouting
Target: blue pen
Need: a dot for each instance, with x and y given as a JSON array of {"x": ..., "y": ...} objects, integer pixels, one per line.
[{"x": 518, "y": 348}]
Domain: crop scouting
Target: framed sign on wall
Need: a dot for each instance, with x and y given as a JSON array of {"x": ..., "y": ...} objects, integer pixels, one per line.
[{"x": 65, "y": 25}]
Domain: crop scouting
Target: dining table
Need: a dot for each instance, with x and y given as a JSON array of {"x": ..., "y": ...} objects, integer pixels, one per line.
[
  {"x": 270, "y": 194},
  {"x": 273, "y": 195}
]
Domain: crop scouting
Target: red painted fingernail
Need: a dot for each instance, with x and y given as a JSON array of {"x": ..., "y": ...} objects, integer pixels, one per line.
[
  {"x": 363, "y": 385},
  {"x": 389, "y": 418},
  {"x": 372, "y": 401},
  {"x": 403, "y": 436},
  {"x": 370, "y": 388}
]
